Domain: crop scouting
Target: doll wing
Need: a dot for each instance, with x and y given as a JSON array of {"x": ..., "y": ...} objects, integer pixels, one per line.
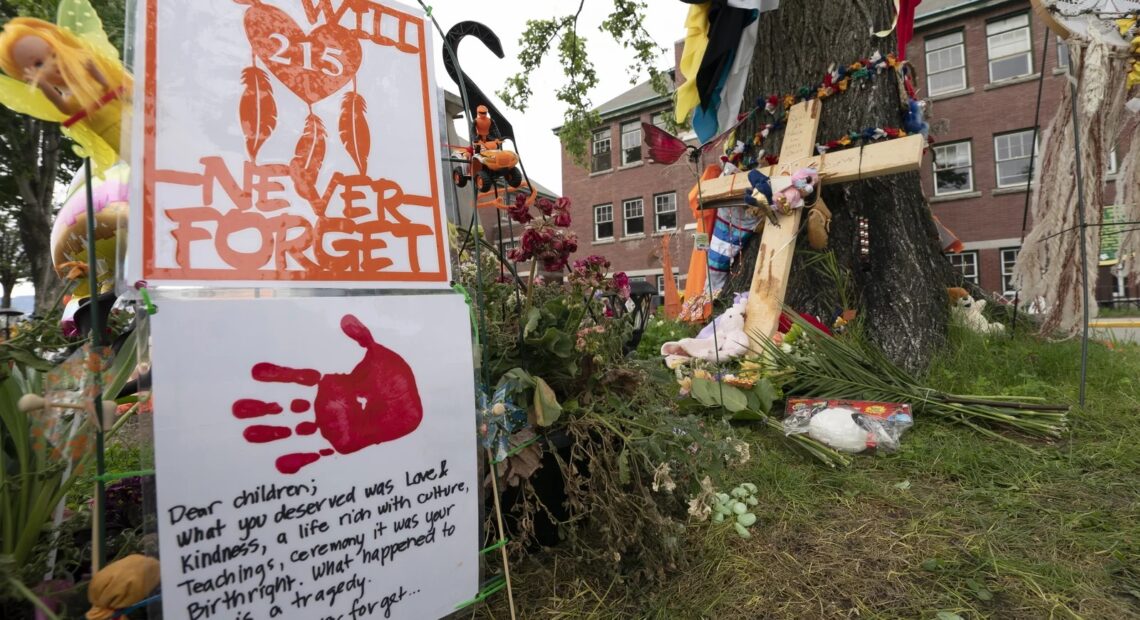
[
  {"x": 91, "y": 144},
  {"x": 80, "y": 17},
  {"x": 27, "y": 99}
]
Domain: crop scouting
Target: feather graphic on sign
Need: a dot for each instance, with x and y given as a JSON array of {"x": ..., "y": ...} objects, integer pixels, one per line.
[
  {"x": 308, "y": 157},
  {"x": 257, "y": 108},
  {"x": 354, "y": 132}
]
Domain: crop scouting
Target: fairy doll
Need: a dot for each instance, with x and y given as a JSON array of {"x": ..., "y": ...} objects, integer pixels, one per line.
[{"x": 68, "y": 73}]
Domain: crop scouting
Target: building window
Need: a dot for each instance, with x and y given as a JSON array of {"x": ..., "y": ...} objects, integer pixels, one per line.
[
  {"x": 953, "y": 169},
  {"x": 634, "y": 214},
  {"x": 967, "y": 263},
  {"x": 1062, "y": 54},
  {"x": 658, "y": 120},
  {"x": 603, "y": 222},
  {"x": 665, "y": 211},
  {"x": 1012, "y": 152},
  {"x": 601, "y": 160},
  {"x": 1118, "y": 284},
  {"x": 1010, "y": 52},
  {"x": 945, "y": 63},
  {"x": 1008, "y": 260},
  {"x": 630, "y": 143},
  {"x": 1111, "y": 162}
]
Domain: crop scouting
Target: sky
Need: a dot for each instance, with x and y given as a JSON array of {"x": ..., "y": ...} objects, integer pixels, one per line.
[{"x": 507, "y": 18}]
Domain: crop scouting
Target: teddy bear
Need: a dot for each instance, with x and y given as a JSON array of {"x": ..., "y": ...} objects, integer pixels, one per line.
[
  {"x": 730, "y": 341},
  {"x": 969, "y": 311}
]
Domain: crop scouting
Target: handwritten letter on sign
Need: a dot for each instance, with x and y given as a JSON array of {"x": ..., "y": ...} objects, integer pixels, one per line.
[
  {"x": 287, "y": 141},
  {"x": 316, "y": 458}
]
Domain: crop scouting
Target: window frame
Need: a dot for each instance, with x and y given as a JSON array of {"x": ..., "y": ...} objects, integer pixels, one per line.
[
  {"x": 663, "y": 125},
  {"x": 625, "y": 218},
  {"x": 969, "y": 166},
  {"x": 657, "y": 212},
  {"x": 610, "y": 221},
  {"x": 633, "y": 126},
  {"x": 1007, "y": 275},
  {"x": 1113, "y": 165},
  {"x": 927, "y": 52},
  {"x": 1035, "y": 156},
  {"x": 973, "y": 254},
  {"x": 1062, "y": 54},
  {"x": 1028, "y": 53},
  {"x": 597, "y": 137}
]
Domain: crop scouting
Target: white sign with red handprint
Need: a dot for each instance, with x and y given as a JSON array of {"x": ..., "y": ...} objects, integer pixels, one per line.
[
  {"x": 292, "y": 142},
  {"x": 315, "y": 457}
]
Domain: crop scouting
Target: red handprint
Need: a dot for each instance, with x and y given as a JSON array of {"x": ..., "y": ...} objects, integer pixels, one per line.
[{"x": 378, "y": 401}]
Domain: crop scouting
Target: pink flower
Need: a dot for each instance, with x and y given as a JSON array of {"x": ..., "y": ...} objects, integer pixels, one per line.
[
  {"x": 562, "y": 218},
  {"x": 545, "y": 205},
  {"x": 520, "y": 212}
]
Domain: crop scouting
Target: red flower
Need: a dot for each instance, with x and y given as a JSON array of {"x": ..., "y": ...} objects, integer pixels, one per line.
[{"x": 520, "y": 212}]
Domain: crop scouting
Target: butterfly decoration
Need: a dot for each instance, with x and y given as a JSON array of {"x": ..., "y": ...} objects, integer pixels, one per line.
[
  {"x": 665, "y": 148},
  {"x": 94, "y": 129},
  {"x": 499, "y": 418}
]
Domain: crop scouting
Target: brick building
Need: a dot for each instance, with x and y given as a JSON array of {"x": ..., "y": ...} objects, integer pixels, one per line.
[{"x": 979, "y": 61}]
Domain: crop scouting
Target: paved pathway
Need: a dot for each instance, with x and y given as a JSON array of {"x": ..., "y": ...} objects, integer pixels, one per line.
[{"x": 1123, "y": 329}]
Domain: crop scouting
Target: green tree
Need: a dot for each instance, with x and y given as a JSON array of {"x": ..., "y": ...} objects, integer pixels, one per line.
[{"x": 35, "y": 156}]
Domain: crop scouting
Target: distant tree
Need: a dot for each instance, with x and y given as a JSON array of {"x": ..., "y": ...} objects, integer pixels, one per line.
[
  {"x": 625, "y": 24},
  {"x": 14, "y": 264}
]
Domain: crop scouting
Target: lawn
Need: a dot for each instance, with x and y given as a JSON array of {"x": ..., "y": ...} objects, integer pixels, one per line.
[{"x": 955, "y": 525}]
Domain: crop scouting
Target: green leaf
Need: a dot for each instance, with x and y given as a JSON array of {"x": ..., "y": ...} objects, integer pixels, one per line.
[
  {"x": 623, "y": 467},
  {"x": 948, "y": 615},
  {"x": 766, "y": 393},
  {"x": 702, "y": 391},
  {"x": 519, "y": 377},
  {"x": 904, "y": 485},
  {"x": 532, "y": 317},
  {"x": 546, "y": 407},
  {"x": 931, "y": 565},
  {"x": 732, "y": 398}
]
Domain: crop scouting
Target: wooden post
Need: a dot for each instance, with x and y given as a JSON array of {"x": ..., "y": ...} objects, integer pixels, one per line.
[{"x": 778, "y": 243}]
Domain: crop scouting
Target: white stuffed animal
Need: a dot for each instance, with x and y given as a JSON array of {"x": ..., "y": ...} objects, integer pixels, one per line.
[
  {"x": 969, "y": 311},
  {"x": 730, "y": 341}
]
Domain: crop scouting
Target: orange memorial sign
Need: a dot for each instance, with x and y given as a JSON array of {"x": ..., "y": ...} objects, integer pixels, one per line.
[{"x": 287, "y": 143}]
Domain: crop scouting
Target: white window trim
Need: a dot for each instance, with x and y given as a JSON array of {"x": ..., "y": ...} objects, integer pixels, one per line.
[
  {"x": 974, "y": 254},
  {"x": 597, "y": 137},
  {"x": 1028, "y": 53},
  {"x": 1036, "y": 156},
  {"x": 657, "y": 212},
  {"x": 622, "y": 133},
  {"x": 1112, "y": 163},
  {"x": 970, "y": 167},
  {"x": 597, "y": 221},
  {"x": 1001, "y": 260},
  {"x": 625, "y": 219},
  {"x": 962, "y": 67}
]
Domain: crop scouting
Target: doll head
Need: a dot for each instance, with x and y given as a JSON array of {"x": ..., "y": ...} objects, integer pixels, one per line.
[{"x": 36, "y": 51}]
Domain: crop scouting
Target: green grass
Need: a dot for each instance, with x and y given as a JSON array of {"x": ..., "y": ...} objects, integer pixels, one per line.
[{"x": 953, "y": 523}]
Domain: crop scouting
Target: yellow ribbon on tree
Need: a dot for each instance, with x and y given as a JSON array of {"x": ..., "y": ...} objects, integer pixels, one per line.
[{"x": 696, "y": 42}]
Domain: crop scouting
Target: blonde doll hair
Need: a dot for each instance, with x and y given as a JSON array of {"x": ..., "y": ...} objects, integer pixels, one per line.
[{"x": 72, "y": 55}]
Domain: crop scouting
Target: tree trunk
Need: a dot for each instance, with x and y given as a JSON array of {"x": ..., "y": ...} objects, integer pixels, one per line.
[
  {"x": 35, "y": 178},
  {"x": 901, "y": 294},
  {"x": 6, "y": 300}
]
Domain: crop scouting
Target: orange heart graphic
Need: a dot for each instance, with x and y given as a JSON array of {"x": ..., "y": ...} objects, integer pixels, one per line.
[{"x": 313, "y": 65}]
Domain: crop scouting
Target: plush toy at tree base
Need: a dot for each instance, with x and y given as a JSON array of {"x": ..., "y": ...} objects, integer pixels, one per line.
[
  {"x": 68, "y": 74},
  {"x": 69, "y": 233},
  {"x": 730, "y": 340},
  {"x": 969, "y": 311}
]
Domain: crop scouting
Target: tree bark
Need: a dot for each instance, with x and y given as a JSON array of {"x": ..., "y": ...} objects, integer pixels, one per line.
[
  {"x": 33, "y": 152},
  {"x": 901, "y": 294}
]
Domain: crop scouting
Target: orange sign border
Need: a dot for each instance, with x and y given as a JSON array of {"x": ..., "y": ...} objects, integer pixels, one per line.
[{"x": 149, "y": 271}]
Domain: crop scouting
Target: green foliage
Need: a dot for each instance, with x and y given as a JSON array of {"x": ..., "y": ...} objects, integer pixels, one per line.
[
  {"x": 978, "y": 530},
  {"x": 660, "y": 330},
  {"x": 624, "y": 24}
]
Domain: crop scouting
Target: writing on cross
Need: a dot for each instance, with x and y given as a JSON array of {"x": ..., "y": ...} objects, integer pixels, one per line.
[{"x": 778, "y": 242}]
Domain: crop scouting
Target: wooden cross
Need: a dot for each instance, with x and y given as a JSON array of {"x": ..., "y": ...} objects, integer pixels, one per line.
[{"x": 777, "y": 244}]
